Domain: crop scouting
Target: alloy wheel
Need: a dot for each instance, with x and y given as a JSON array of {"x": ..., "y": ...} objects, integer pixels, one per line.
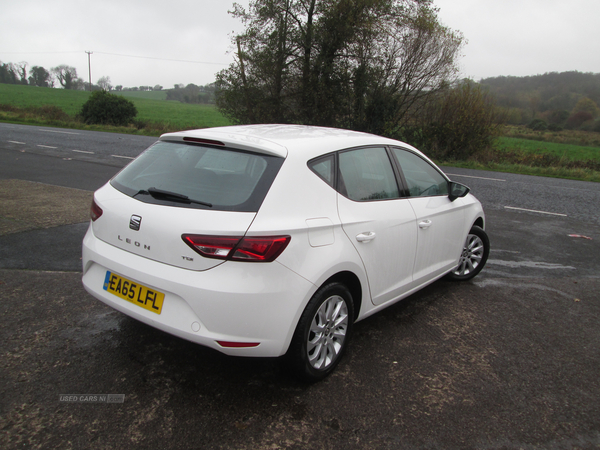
[{"x": 327, "y": 332}]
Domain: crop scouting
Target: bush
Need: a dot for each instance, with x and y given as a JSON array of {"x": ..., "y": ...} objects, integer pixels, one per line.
[
  {"x": 556, "y": 116},
  {"x": 47, "y": 113},
  {"x": 537, "y": 125},
  {"x": 51, "y": 113},
  {"x": 108, "y": 109},
  {"x": 554, "y": 127},
  {"x": 459, "y": 123},
  {"x": 578, "y": 119},
  {"x": 590, "y": 125}
]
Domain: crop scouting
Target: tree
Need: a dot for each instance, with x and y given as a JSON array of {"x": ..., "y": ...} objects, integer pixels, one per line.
[
  {"x": 78, "y": 84},
  {"x": 104, "y": 83},
  {"x": 192, "y": 94},
  {"x": 360, "y": 64},
  {"x": 586, "y": 105},
  {"x": 577, "y": 119},
  {"x": 8, "y": 73},
  {"x": 22, "y": 70},
  {"x": 108, "y": 109},
  {"x": 83, "y": 85},
  {"x": 40, "y": 77},
  {"x": 457, "y": 123},
  {"x": 67, "y": 76}
]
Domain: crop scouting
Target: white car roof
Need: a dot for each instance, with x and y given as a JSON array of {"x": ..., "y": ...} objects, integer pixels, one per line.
[{"x": 278, "y": 140}]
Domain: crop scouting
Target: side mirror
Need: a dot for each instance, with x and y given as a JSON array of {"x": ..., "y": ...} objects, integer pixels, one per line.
[{"x": 457, "y": 190}]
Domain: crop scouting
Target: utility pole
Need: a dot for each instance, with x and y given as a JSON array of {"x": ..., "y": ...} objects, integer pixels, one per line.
[{"x": 90, "y": 68}]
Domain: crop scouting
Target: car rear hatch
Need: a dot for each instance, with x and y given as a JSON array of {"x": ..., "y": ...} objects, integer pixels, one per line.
[{"x": 177, "y": 189}]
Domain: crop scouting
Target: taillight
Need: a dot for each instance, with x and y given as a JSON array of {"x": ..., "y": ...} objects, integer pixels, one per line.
[
  {"x": 95, "y": 211},
  {"x": 250, "y": 249}
]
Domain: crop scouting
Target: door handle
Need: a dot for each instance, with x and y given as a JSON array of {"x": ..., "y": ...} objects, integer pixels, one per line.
[
  {"x": 367, "y": 236},
  {"x": 424, "y": 224}
]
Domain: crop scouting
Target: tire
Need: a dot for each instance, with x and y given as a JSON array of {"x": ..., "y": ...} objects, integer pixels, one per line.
[
  {"x": 322, "y": 334},
  {"x": 473, "y": 257}
]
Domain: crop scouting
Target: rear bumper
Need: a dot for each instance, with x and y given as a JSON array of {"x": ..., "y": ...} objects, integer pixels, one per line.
[{"x": 233, "y": 302}]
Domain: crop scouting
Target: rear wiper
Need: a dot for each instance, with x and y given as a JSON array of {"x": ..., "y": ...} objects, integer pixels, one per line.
[{"x": 174, "y": 196}]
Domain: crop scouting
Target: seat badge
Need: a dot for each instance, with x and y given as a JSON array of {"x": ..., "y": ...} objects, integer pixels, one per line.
[{"x": 135, "y": 222}]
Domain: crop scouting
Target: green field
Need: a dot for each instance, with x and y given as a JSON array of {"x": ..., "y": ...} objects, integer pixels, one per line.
[
  {"x": 567, "y": 152},
  {"x": 22, "y": 96},
  {"x": 174, "y": 115},
  {"x": 149, "y": 95}
]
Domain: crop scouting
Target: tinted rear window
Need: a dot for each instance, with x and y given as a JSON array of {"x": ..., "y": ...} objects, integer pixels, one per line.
[{"x": 228, "y": 179}]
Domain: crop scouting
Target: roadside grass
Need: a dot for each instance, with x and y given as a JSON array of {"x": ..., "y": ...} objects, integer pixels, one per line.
[
  {"x": 552, "y": 172},
  {"x": 23, "y": 104}
]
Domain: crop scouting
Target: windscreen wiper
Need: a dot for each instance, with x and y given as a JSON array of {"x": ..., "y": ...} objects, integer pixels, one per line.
[{"x": 174, "y": 196}]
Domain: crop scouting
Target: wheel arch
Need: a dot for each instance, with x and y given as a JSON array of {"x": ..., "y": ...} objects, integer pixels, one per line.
[
  {"x": 351, "y": 281},
  {"x": 480, "y": 223}
]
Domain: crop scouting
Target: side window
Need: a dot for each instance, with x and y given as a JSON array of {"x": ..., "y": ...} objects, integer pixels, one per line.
[
  {"x": 422, "y": 178},
  {"x": 367, "y": 174},
  {"x": 323, "y": 167}
]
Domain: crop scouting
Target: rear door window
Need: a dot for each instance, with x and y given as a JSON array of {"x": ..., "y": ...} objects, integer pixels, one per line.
[
  {"x": 227, "y": 179},
  {"x": 366, "y": 174}
]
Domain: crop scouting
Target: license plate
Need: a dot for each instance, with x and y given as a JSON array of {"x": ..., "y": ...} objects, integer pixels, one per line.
[{"x": 136, "y": 293}]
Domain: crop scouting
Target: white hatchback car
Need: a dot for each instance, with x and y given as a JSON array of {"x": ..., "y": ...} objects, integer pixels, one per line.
[{"x": 270, "y": 240}]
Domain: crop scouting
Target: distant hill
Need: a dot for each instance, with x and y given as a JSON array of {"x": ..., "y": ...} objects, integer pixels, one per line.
[{"x": 552, "y": 96}]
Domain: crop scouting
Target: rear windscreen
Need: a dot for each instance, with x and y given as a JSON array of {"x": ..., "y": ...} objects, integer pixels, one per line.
[{"x": 225, "y": 179}]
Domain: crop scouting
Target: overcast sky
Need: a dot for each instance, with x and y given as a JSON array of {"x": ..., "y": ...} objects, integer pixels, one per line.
[{"x": 149, "y": 42}]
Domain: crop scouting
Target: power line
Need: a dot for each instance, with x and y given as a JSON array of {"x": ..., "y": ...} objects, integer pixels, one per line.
[
  {"x": 119, "y": 54},
  {"x": 36, "y": 53},
  {"x": 163, "y": 59}
]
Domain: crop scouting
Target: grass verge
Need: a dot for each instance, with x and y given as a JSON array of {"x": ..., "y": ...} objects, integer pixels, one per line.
[{"x": 552, "y": 172}]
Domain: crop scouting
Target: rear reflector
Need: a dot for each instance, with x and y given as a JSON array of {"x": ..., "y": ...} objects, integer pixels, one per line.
[
  {"x": 95, "y": 211},
  {"x": 235, "y": 248},
  {"x": 238, "y": 344}
]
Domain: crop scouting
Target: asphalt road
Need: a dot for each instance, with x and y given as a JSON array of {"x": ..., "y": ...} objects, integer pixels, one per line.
[
  {"x": 107, "y": 148},
  {"x": 509, "y": 360}
]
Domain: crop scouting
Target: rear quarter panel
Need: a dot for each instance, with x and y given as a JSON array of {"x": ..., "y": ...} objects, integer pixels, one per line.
[{"x": 303, "y": 206}]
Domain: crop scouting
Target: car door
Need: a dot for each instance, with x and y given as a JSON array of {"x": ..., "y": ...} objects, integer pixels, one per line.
[
  {"x": 440, "y": 223},
  {"x": 378, "y": 222}
]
